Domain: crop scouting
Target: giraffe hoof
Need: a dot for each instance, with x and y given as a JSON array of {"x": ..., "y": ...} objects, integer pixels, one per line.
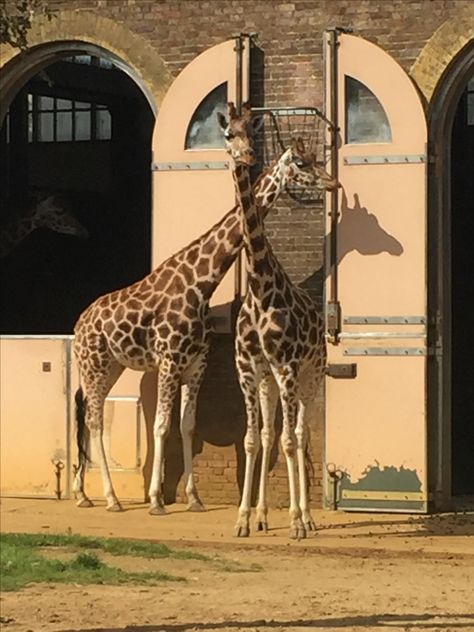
[
  {"x": 262, "y": 525},
  {"x": 84, "y": 502},
  {"x": 241, "y": 531},
  {"x": 157, "y": 510},
  {"x": 297, "y": 533},
  {"x": 196, "y": 505},
  {"x": 310, "y": 525},
  {"x": 115, "y": 507}
]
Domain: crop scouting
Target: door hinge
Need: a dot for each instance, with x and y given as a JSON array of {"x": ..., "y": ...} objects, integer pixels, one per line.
[{"x": 333, "y": 315}]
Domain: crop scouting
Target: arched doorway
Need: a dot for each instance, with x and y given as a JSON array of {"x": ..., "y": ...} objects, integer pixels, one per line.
[
  {"x": 451, "y": 260},
  {"x": 79, "y": 123}
]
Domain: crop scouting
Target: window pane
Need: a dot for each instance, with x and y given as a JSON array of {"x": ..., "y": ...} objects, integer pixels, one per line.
[
  {"x": 203, "y": 131},
  {"x": 63, "y": 104},
  {"x": 30, "y": 102},
  {"x": 105, "y": 63},
  {"x": 45, "y": 103},
  {"x": 82, "y": 105},
  {"x": 366, "y": 121},
  {"x": 82, "y": 59},
  {"x": 64, "y": 126},
  {"x": 83, "y": 125},
  {"x": 104, "y": 125},
  {"x": 30, "y": 127},
  {"x": 46, "y": 127}
]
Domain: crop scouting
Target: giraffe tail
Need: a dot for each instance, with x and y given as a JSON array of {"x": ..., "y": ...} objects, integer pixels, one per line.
[
  {"x": 81, "y": 426},
  {"x": 308, "y": 463}
]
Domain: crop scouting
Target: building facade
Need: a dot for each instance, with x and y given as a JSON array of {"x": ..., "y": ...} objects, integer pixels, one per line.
[{"x": 109, "y": 87}]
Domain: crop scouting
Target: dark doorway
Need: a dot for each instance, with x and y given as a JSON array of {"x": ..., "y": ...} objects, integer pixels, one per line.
[
  {"x": 462, "y": 227},
  {"x": 80, "y": 128}
]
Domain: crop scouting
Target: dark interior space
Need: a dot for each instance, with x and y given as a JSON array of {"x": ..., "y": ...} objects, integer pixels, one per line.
[
  {"x": 80, "y": 128},
  {"x": 462, "y": 192}
]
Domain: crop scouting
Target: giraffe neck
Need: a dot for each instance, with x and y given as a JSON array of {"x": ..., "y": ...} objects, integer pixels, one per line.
[
  {"x": 259, "y": 255},
  {"x": 14, "y": 232},
  {"x": 212, "y": 254}
]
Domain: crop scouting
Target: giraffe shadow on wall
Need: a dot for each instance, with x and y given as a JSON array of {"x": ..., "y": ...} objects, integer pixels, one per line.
[
  {"x": 220, "y": 413},
  {"x": 360, "y": 231}
]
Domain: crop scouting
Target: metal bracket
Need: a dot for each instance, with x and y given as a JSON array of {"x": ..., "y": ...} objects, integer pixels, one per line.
[
  {"x": 217, "y": 165},
  {"x": 385, "y": 351},
  {"x": 385, "y": 160},
  {"x": 333, "y": 314},
  {"x": 384, "y": 320},
  {"x": 347, "y": 371}
]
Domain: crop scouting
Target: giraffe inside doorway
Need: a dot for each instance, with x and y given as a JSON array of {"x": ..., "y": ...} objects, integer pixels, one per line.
[{"x": 81, "y": 127}]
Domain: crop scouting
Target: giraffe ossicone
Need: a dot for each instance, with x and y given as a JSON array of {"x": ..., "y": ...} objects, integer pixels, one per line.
[
  {"x": 162, "y": 323},
  {"x": 280, "y": 347}
]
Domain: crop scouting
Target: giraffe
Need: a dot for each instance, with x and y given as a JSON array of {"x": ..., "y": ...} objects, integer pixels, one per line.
[
  {"x": 161, "y": 323},
  {"x": 48, "y": 213},
  {"x": 280, "y": 346}
]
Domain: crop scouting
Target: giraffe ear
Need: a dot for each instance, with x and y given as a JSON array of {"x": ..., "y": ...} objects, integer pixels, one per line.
[
  {"x": 222, "y": 120},
  {"x": 299, "y": 145},
  {"x": 231, "y": 110},
  {"x": 256, "y": 124}
]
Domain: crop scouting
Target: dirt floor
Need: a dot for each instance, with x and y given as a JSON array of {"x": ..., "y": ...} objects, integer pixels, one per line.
[{"x": 358, "y": 572}]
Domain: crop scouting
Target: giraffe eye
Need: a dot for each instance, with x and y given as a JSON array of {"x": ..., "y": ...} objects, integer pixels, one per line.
[
  {"x": 228, "y": 135},
  {"x": 300, "y": 163}
]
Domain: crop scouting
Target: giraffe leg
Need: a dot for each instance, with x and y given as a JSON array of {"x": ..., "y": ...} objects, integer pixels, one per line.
[
  {"x": 249, "y": 384},
  {"x": 90, "y": 399},
  {"x": 168, "y": 384},
  {"x": 189, "y": 391},
  {"x": 78, "y": 485},
  {"x": 288, "y": 396},
  {"x": 268, "y": 394},
  {"x": 302, "y": 445},
  {"x": 97, "y": 431}
]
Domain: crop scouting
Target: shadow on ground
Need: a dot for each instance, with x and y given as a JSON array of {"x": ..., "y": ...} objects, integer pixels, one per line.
[
  {"x": 413, "y": 621},
  {"x": 457, "y": 524}
]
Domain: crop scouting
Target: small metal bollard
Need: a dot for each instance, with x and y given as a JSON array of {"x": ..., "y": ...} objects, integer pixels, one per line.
[
  {"x": 58, "y": 468},
  {"x": 335, "y": 475}
]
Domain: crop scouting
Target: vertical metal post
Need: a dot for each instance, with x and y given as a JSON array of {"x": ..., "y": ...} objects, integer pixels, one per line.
[
  {"x": 333, "y": 305},
  {"x": 239, "y": 50}
]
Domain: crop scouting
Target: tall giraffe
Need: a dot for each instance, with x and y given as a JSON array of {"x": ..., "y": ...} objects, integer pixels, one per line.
[
  {"x": 161, "y": 322},
  {"x": 48, "y": 213},
  {"x": 280, "y": 346}
]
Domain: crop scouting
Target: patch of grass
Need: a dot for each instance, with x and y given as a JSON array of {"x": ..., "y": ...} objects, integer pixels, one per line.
[
  {"x": 21, "y": 561},
  {"x": 114, "y": 546},
  {"x": 22, "y": 564}
]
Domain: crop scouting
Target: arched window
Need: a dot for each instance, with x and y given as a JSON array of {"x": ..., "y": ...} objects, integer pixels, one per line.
[
  {"x": 203, "y": 131},
  {"x": 366, "y": 120}
]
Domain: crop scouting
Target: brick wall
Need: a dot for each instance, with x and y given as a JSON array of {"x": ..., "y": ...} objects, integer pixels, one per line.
[{"x": 290, "y": 35}]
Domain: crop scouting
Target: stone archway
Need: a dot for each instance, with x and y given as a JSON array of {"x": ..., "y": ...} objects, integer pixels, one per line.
[
  {"x": 441, "y": 72},
  {"x": 71, "y": 31},
  {"x": 440, "y": 50}
]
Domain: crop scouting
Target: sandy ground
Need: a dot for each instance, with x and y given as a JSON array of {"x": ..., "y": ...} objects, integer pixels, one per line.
[{"x": 358, "y": 572}]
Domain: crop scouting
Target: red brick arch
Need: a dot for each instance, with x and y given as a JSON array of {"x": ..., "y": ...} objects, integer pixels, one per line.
[
  {"x": 443, "y": 46},
  {"x": 68, "y": 29}
]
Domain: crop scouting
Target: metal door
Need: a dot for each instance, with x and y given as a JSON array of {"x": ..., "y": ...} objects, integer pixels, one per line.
[
  {"x": 376, "y": 447},
  {"x": 192, "y": 184},
  {"x": 35, "y": 415}
]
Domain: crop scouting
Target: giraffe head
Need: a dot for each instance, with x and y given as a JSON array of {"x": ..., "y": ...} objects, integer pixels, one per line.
[
  {"x": 239, "y": 132},
  {"x": 51, "y": 212},
  {"x": 304, "y": 170}
]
